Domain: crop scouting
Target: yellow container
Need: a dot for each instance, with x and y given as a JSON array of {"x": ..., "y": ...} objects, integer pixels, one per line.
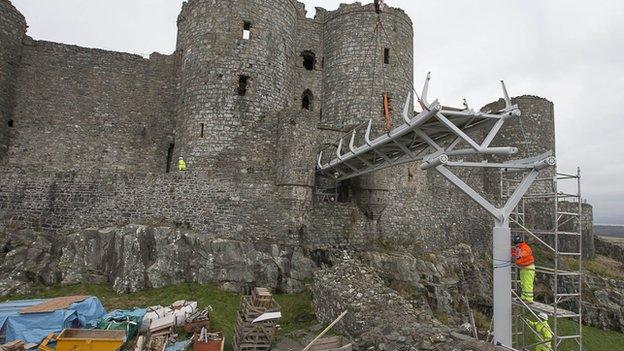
[{"x": 85, "y": 340}]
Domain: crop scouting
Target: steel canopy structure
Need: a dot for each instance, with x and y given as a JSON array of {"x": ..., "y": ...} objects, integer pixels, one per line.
[{"x": 431, "y": 138}]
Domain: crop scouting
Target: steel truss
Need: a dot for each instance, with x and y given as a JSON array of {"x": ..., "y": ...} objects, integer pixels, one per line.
[
  {"x": 561, "y": 243},
  {"x": 431, "y": 137}
]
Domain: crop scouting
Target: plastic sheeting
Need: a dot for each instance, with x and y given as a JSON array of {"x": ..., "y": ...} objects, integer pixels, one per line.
[
  {"x": 33, "y": 327},
  {"x": 127, "y": 320}
]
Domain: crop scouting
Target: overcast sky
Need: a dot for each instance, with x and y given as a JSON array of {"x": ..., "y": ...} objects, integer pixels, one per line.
[{"x": 569, "y": 51}]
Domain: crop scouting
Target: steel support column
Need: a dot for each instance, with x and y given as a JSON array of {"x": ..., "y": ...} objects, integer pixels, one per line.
[{"x": 501, "y": 237}]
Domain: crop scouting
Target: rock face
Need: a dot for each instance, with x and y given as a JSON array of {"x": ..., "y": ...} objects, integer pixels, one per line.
[
  {"x": 378, "y": 317},
  {"x": 137, "y": 257},
  {"x": 609, "y": 249},
  {"x": 603, "y": 304},
  {"x": 437, "y": 282}
]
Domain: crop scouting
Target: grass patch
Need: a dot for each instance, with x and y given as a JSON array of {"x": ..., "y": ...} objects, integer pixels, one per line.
[
  {"x": 594, "y": 339},
  {"x": 605, "y": 267},
  {"x": 296, "y": 308}
]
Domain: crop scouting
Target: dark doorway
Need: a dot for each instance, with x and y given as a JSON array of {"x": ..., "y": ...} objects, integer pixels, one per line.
[
  {"x": 169, "y": 157},
  {"x": 10, "y": 123},
  {"x": 306, "y": 100}
]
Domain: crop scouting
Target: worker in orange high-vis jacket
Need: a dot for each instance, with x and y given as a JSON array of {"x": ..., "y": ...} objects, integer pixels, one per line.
[{"x": 523, "y": 255}]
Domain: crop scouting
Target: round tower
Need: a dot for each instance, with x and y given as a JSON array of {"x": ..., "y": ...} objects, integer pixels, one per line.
[
  {"x": 364, "y": 58},
  {"x": 233, "y": 63},
  {"x": 367, "y": 56},
  {"x": 534, "y": 132}
]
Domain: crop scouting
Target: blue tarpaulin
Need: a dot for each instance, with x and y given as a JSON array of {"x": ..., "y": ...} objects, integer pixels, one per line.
[{"x": 33, "y": 327}]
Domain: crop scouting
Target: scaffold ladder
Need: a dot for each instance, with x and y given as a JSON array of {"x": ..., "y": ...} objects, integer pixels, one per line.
[{"x": 561, "y": 244}]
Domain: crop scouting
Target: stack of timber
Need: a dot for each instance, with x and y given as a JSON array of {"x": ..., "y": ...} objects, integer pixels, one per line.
[
  {"x": 257, "y": 336},
  {"x": 16, "y": 345}
]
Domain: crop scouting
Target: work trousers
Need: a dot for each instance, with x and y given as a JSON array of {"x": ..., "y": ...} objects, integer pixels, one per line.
[{"x": 527, "y": 278}]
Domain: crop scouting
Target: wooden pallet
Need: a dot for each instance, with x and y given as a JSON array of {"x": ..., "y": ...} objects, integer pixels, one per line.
[{"x": 250, "y": 336}]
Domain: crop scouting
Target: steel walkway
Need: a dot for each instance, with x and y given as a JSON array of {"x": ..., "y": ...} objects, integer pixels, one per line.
[{"x": 430, "y": 137}]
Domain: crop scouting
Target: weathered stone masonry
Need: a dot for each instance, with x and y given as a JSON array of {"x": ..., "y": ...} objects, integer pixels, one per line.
[
  {"x": 94, "y": 132},
  {"x": 12, "y": 31}
]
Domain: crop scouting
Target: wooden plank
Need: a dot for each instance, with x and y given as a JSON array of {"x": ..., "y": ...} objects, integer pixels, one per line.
[{"x": 54, "y": 304}]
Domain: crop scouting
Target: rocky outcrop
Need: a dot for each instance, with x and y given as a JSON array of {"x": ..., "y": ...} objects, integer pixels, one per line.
[
  {"x": 439, "y": 282},
  {"x": 378, "y": 317},
  {"x": 137, "y": 257},
  {"x": 603, "y": 304},
  {"x": 609, "y": 249}
]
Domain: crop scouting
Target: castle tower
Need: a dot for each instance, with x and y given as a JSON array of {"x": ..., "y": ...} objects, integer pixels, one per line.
[
  {"x": 12, "y": 31},
  {"x": 365, "y": 58},
  {"x": 357, "y": 58},
  {"x": 233, "y": 61},
  {"x": 533, "y": 134}
]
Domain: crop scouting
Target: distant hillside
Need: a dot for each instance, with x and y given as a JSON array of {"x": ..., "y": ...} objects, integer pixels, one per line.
[{"x": 609, "y": 230}]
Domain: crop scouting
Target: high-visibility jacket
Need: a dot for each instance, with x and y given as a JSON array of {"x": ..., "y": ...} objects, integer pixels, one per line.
[
  {"x": 181, "y": 165},
  {"x": 543, "y": 329},
  {"x": 523, "y": 254}
]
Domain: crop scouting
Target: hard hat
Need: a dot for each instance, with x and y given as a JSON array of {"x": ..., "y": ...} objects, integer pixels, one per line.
[
  {"x": 180, "y": 157},
  {"x": 543, "y": 316},
  {"x": 517, "y": 239}
]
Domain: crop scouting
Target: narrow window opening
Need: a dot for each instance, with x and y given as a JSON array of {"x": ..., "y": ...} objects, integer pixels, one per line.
[
  {"x": 246, "y": 30},
  {"x": 10, "y": 123},
  {"x": 309, "y": 60},
  {"x": 323, "y": 62},
  {"x": 306, "y": 100},
  {"x": 387, "y": 56},
  {"x": 242, "y": 85},
  {"x": 201, "y": 132},
  {"x": 169, "y": 157},
  {"x": 320, "y": 115}
]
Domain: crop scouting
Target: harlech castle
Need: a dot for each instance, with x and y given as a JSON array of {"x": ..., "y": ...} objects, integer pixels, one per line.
[{"x": 91, "y": 138}]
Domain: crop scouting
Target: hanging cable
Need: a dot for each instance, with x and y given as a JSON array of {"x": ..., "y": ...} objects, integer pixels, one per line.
[{"x": 526, "y": 140}]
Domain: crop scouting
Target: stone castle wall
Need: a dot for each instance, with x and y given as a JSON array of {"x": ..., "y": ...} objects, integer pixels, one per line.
[
  {"x": 12, "y": 31},
  {"x": 84, "y": 109}
]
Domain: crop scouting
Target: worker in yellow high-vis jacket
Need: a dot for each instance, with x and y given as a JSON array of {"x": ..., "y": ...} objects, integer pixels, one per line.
[
  {"x": 523, "y": 255},
  {"x": 181, "y": 164},
  {"x": 543, "y": 329}
]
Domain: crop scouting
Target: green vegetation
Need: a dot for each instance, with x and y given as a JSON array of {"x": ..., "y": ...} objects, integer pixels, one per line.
[
  {"x": 594, "y": 339},
  {"x": 605, "y": 267},
  {"x": 296, "y": 308}
]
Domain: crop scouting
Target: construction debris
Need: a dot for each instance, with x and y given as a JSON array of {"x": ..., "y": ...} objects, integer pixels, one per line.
[
  {"x": 16, "y": 345},
  {"x": 205, "y": 341},
  {"x": 332, "y": 343},
  {"x": 250, "y": 336},
  {"x": 159, "y": 317},
  {"x": 198, "y": 321}
]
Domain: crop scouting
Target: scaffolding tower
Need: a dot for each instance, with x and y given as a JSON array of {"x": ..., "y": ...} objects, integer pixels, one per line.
[{"x": 558, "y": 245}]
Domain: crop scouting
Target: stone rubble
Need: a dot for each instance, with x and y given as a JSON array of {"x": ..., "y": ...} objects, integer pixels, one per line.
[{"x": 379, "y": 318}]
